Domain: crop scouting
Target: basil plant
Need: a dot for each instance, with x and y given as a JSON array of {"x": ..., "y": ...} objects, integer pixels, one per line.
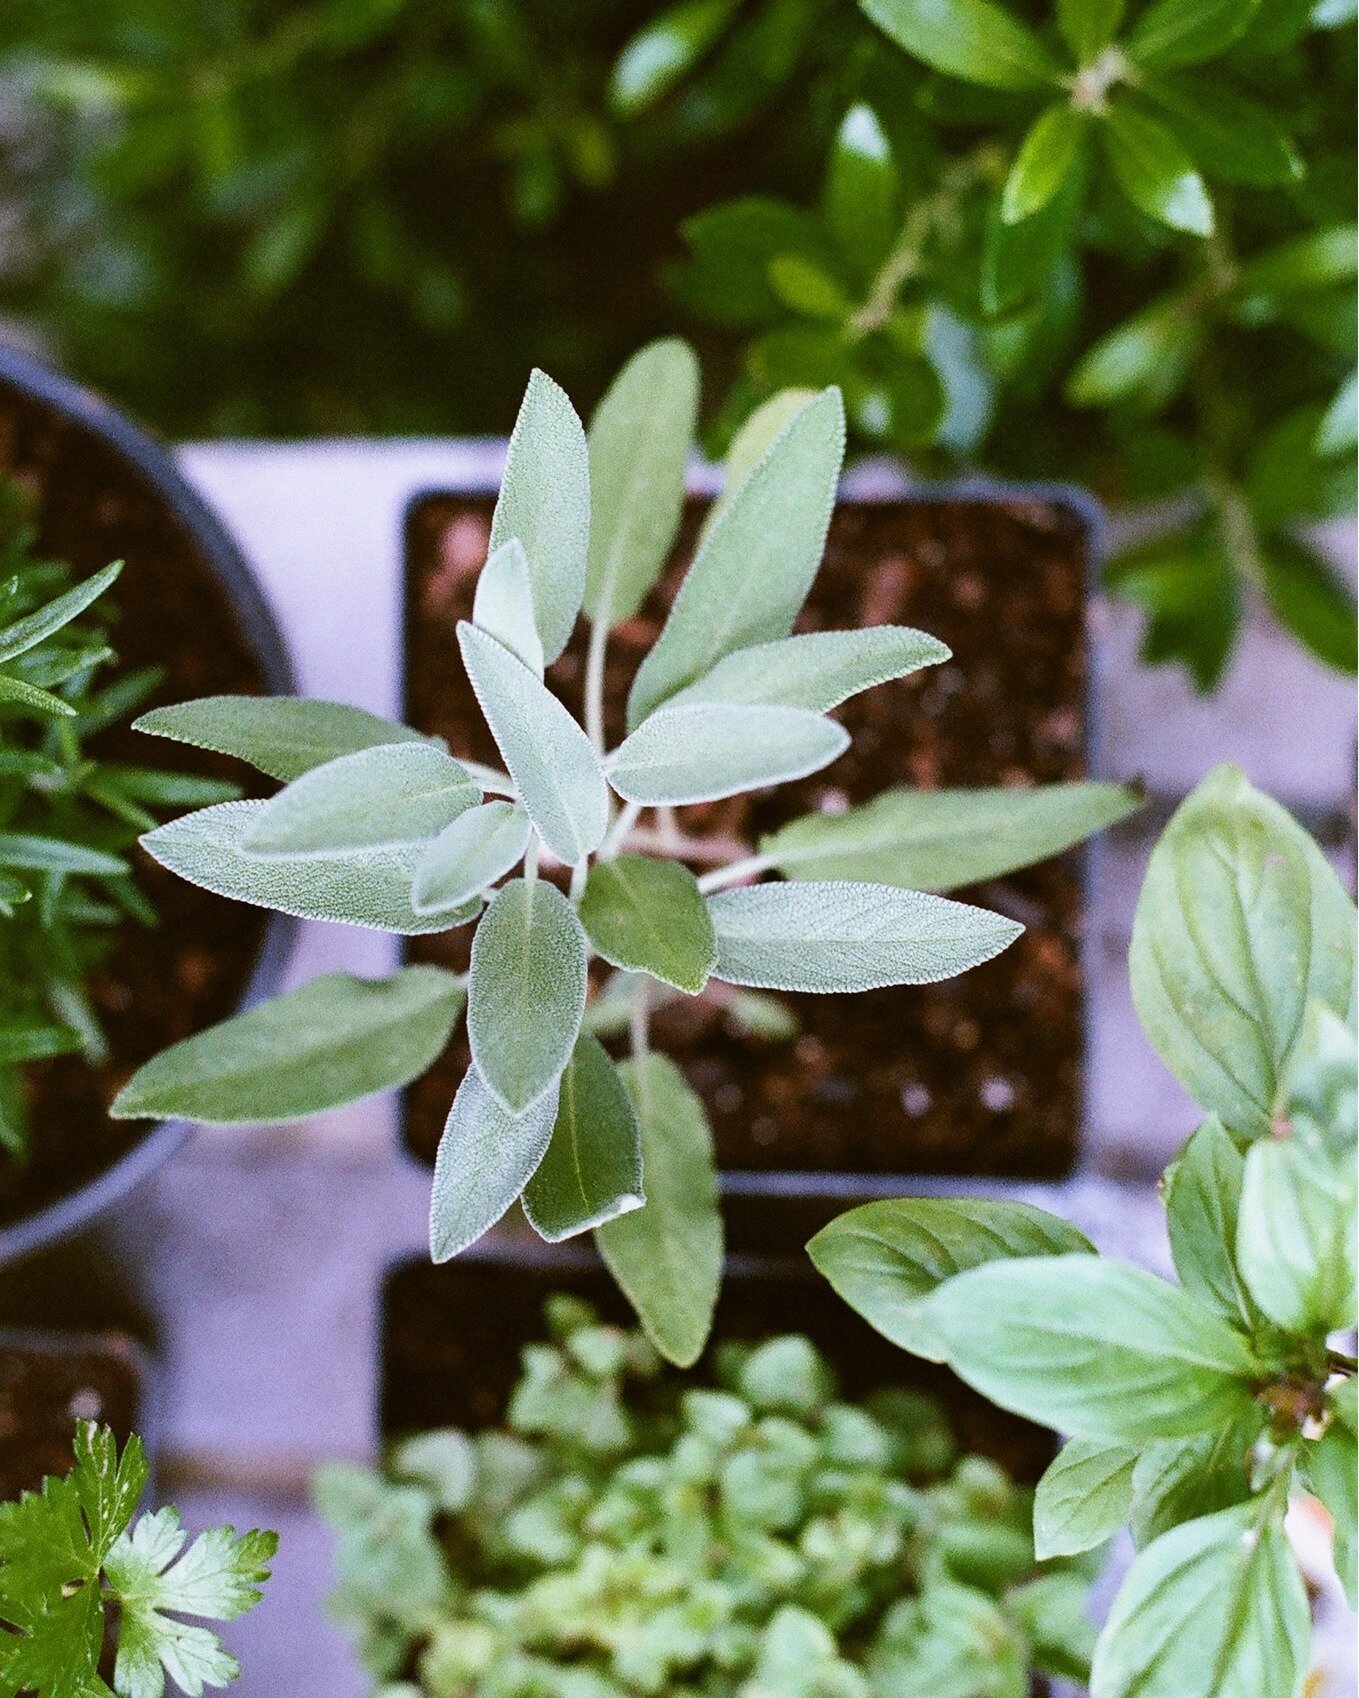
[
  {"x": 378, "y": 826},
  {"x": 1197, "y": 1410}
]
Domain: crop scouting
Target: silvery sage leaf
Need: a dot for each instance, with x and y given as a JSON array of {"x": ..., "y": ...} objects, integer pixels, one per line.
[
  {"x": 545, "y": 503},
  {"x": 363, "y": 887},
  {"x": 394, "y": 793},
  {"x": 334, "y": 1040},
  {"x": 556, "y": 772},
  {"x": 592, "y": 1171},
  {"x": 280, "y": 735},
  {"x": 1093, "y": 1347},
  {"x": 755, "y": 565},
  {"x": 944, "y": 839},
  {"x": 526, "y": 994},
  {"x": 818, "y": 670},
  {"x": 1202, "y": 1193},
  {"x": 884, "y": 1259},
  {"x": 477, "y": 848},
  {"x": 703, "y": 752},
  {"x": 752, "y": 442},
  {"x": 485, "y": 1159},
  {"x": 639, "y": 442},
  {"x": 1295, "y": 1235},
  {"x": 503, "y": 604},
  {"x": 848, "y": 937},
  {"x": 667, "y": 1257},
  {"x": 648, "y": 916},
  {"x": 1215, "y": 1608},
  {"x": 1084, "y": 1497}
]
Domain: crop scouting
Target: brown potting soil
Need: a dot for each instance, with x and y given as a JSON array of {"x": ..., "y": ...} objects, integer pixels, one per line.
[
  {"x": 156, "y": 985},
  {"x": 47, "y": 1385},
  {"x": 980, "y": 1074}
]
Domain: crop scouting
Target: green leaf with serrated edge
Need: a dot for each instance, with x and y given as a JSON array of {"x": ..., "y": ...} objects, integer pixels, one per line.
[
  {"x": 1092, "y": 1347},
  {"x": 1319, "y": 1089},
  {"x": 972, "y": 39},
  {"x": 545, "y": 502},
  {"x": 862, "y": 199},
  {"x": 640, "y": 439},
  {"x": 503, "y": 604},
  {"x": 334, "y": 1040},
  {"x": 556, "y": 772},
  {"x": 34, "y": 628},
  {"x": 1155, "y": 172},
  {"x": 1239, "y": 923},
  {"x": 279, "y": 735},
  {"x": 1202, "y": 1192},
  {"x": 1172, "y": 33},
  {"x": 485, "y": 1159},
  {"x": 592, "y": 1172},
  {"x": 366, "y": 887},
  {"x": 750, "y": 445},
  {"x": 1213, "y": 1609},
  {"x": 526, "y": 994},
  {"x": 471, "y": 853},
  {"x": 1295, "y": 1235},
  {"x": 1088, "y": 26},
  {"x": 702, "y": 751},
  {"x": 944, "y": 839},
  {"x": 1329, "y": 1466},
  {"x": 1083, "y": 1498},
  {"x": 378, "y": 798},
  {"x": 1045, "y": 158},
  {"x": 818, "y": 670},
  {"x": 39, "y": 854},
  {"x": 1180, "y": 1480},
  {"x": 753, "y": 568},
  {"x": 648, "y": 916},
  {"x": 667, "y": 1257},
  {"x": 843, "y": 936},
  {"x": 884, "y": 1259}
]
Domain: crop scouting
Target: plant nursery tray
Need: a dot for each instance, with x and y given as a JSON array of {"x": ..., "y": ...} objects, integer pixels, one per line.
[{"x": 980, "y": 1075}]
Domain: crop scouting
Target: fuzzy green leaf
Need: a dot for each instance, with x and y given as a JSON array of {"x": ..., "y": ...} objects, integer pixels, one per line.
[
  {"x": 1045, "y": 159},
  {"x": 640, "y": 438},
  {"x": 648, "y": 917},
  {"x": 818, "y": 670},
  {"x": 36, "y": 627},
  {"x": 751, "y": 443},
  {"x": 336, "y": 1039},
  {"x": 592, "y": 1172},
  {"x": 545, "y": 503},
  {"x": 527, "y": 991},
  {"x": 37, "y": 854},
  {"x": 703, "y": 751},
  {"x": 1202, "y": 1193},
  {"x": 1295, "y": 1237},
  {"x": 470, "y": 854},
  {"x": 841, "y": 936},
  {"x": 944, "y": 839},
  {"x": 503, "y": 604},
  {"x": 756, "y": 563},
  {"x": 555, "y": 770},
  {"x": 485, "y": 1159},
  {"x": 667, "y": 1257},
  {"x": 377, "y": 798},
  {"x": 279, "y": 735},
  {"x": 1155, "y": 172},
  {"x": 1331, "y": 1466},
  {"x": 1172, "y": 33},
  {"x": 972, "y": 39},
  {"x": 25, "y": 695},
  {"x": 1084, "y": 1497}
]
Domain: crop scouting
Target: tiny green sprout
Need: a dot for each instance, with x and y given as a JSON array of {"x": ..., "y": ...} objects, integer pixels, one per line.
[{"x": 571, "y": 852}]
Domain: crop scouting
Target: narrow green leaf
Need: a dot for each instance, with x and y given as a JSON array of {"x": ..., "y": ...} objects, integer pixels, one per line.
[
  {"x": 503, "y": 604},
  {"x": 1045, "y": 159},
  {"x": 592, "y": 1172},
  {"x": 1155, "y": 172},
  {"x": 703, "y": 751},
  {"x": 377, "y": 798},
  {"x": 944, "y": 839},
  {"x": 34, "y": 628},
  {"x": 365, "y": 887},
  {"x": 527, "y": 991},
  {"x": 485, "y": 1159},
  {"x": 640, "y": 439},
  {"x": 470, "y": 854},
  {"x": 647, "y": 916},
  {"x": 1088, "y": 26},
  {"x": 884, "y": 1259},
  {"x": 555, "y": 770},
  {"x": 1171, "y": 33},
  {"x": 1092, "y": 1347},
  {"x": 1202, "y": 1193},
  {"x": 862, "y": 201},
  {"x": 280, "y": 735},
  {"x": 39, "y": 854},
  {"x": 333, "y": 1041},
  {"x": 1331, "y": 1466},
  {"x": 755, "y": 565},
  {"x": 1295, "y": 1237},
  {"x": 808, "y": 289},
  {"x": 1084, "y": 1497},
  {"x": 971, "y": 39},
  {"x": 545, "y": 503},
  {"x": 667, "y": 1257},
  {"x": 26, "y": 695},
  {"x": 839, "y": 936},
  {"x": 817, "y": 671}
]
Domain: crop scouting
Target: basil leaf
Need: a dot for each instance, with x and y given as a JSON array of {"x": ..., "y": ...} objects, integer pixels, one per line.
[
  {"x": 1319, "y": 1092},
  {"x": 971, "y": 39},
  {"x": 1046, "y": 157},
  {"x": 647, "y": 916},
  {"x": 503, "y": 604},
  {"x": 1084, "y": 1497},
  {"x": 1295, "y": 1238},
  {"x": 1179, "y": 1480},
  {"x": 1155, "y": 172},
  {"x": 377, "y": 798},
  {"x": 818, "y": 670},
  {"x": 592, "y": 1172},
  {"x": 485, "y": 1159},
  {"x": 280, "y": 735},
  {"x": 704, "y": 751},
  {"x": 1202, "y": 1193},
  {"x": 1172, "y": 33},
  {"x": 470, "y": 854},
  {"x": 1330, "y": 1465}
]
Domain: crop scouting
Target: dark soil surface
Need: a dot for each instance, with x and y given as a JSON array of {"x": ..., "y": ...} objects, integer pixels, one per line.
[
  {"x": 155, "y": 986},
  {"x": 979, "y": 1075},
  {"x": 47, "y": 1385}
]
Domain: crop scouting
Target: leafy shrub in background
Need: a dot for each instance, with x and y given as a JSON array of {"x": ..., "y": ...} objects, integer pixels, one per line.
[
  {"x": 1197, "y": 1410},
  {"x": 67, "y": 820},
  {"x": 627, "y": 1534},
  {"x": 380, "y": 827}
]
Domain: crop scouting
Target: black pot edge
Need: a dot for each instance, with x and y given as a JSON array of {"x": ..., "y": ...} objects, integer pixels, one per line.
[{"x": 91, "y": 413}]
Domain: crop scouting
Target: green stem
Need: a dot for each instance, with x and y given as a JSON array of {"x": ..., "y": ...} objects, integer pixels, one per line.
[
  {"x": 736, "y": 872},
  {"x": 637, "y": 1023},
  {"x": 594, "y": 684},
  {"x": 1337, "y": 1362},
  {"x": 627, "y": 818}
]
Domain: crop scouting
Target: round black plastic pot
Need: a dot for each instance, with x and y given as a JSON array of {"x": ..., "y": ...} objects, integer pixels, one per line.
[{"x": 30, "y": 389}]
